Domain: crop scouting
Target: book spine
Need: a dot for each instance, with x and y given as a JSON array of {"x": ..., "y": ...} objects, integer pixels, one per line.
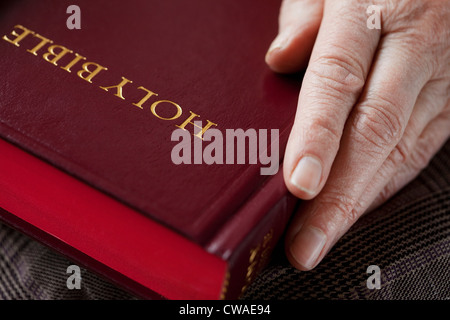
[
  {"x": 247, "y": 241},
  {"x": 249, "y": 260}
]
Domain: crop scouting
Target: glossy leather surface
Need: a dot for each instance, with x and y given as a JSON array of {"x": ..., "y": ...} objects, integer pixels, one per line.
[{"x": 207, "y": 56}]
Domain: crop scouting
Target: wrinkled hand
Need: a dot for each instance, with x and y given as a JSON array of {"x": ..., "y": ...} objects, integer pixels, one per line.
[{"x": 373, "y": 109}]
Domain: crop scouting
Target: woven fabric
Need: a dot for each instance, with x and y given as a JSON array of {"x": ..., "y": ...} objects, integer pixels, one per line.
[
  {"x": 30, "y": 271},
  {"x": 408, "y": 238}
]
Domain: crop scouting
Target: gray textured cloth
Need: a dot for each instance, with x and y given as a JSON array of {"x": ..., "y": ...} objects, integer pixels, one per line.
[{"x": 408, "y": 238}]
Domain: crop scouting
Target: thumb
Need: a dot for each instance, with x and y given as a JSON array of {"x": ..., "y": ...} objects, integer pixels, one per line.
[{"x": 299, "y": 23}]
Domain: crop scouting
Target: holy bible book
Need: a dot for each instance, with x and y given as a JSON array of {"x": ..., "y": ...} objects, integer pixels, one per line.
[{"x": 91, "y": 126}]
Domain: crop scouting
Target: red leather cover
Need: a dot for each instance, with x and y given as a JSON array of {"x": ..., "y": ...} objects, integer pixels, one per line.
[
  {"x": 206, "y": 56},
  {"x": 101, "y": 234}
]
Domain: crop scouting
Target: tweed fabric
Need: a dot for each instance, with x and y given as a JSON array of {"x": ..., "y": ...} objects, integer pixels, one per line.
[{"x": 408, "y": 238}]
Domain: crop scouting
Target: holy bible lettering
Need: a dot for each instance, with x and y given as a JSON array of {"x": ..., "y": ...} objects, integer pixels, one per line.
[{"x": 89, "y": 70}]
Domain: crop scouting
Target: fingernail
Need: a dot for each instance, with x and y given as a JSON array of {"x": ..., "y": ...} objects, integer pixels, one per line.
[
  {"x": 307, "y": 246},
  {"x": 279, "y": 43},
  {"x": 307, "y": 175}
]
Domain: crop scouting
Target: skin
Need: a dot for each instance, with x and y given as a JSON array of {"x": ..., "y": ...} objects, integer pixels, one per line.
[{"x": 373, "y": 109}]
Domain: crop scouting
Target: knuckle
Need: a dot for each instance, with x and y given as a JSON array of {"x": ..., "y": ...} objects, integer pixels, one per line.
[
  {"x": 342, "y": 206},
  {"x": 380, "y": 122},
  {"x": 401, "y": 153},
  {"x": 416, "y": 49},
  {"x": 323, "y": 128},
  {"x": 343, "y": 73},
  {"x": 423, "y": 28}
]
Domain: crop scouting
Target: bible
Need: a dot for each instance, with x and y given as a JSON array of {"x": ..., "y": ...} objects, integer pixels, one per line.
[{"x": 142, "y": 145}]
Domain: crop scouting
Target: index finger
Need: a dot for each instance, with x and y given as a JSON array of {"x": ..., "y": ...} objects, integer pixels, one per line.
[{"x": 333, "y": 81}]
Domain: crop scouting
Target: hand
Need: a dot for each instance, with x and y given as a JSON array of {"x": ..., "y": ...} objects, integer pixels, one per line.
[{"x": 373, "y": 109}]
